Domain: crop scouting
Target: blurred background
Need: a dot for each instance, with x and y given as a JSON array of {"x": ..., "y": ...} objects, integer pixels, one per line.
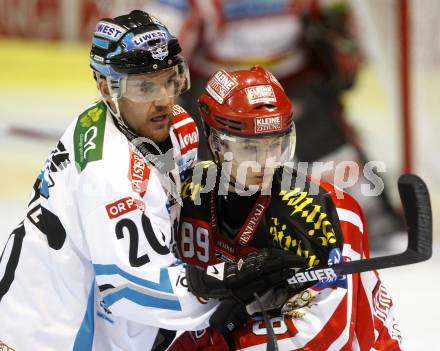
[{"x": 364, "y": 76}]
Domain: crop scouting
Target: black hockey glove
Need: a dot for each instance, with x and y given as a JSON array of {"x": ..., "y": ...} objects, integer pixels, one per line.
[
  {"x": 264, "y": 272},
  {"x": 257, "y": 272},
  {"x": 232, "y": 313},
  {"x": 229, "y": 315}
]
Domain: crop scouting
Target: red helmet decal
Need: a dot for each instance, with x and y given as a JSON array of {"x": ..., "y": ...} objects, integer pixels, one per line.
[
  {"x": 246, "y": 102},
  {"x": 268, "y": 124},
  {"x": 260, "y": 94},
  {"x": 220, "y": 85}
]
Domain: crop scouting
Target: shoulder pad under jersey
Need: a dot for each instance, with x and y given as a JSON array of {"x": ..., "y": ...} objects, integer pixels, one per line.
[
  {"x": 185, "y": 129},
  {"x": 186, "y": 137}
]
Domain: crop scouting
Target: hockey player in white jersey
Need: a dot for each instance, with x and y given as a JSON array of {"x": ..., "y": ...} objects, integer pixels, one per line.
[
  {"x": 91, "y": 266},
  {"x": 100, "y": 221}
]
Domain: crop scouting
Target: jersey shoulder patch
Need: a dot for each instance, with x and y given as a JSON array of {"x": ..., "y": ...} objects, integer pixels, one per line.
[
  {"x": 185, "y": 129},
  {"x": 88, "y": 136}
]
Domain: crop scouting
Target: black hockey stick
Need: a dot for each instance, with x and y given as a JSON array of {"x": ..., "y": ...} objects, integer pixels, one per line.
[{"x": 416, "y": 204}]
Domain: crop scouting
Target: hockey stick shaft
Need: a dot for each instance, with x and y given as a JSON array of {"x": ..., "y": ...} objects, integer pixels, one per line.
[
  {"x": 271, "y": 339},
  {"x": 416, "y": 204}
]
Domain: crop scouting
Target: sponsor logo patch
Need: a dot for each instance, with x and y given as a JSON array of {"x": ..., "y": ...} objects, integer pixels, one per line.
[
  {"x": 188, "y": 140},
  {"x": 220, "y": 85},
  {"x": 155, "y": 42},
  {"x": 225, "y": 246},
  {"x": 123, "y": 206},
  {"x": 217, "y": 270},
  {"x": 267, "y": 124},
  {"x": 98, "y": 58},
  {"x": 381, "y": 302},
  {"x": 247, "y": 233},
  {"x": 297, "y": 306},
  {"x": 138, "y": 173},
  {"x": 178, "y": 110},
  {"x": 185, "y": 130},
  {"x": 109, "y": 30},
  {"x": 143, "y": 38},
  {"x": 88, "y": 137},
  {"x": 323, "y": 275},
  {"x": 260, "y": 94}
]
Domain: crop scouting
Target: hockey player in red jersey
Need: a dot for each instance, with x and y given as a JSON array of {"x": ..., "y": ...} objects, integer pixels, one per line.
[
  {"x": 248, "y": 200},
  {"x": 311, "y": 47}
]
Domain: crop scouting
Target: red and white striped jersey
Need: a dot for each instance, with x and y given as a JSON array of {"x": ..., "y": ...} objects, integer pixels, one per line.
[{"x": 353, "y": 313}]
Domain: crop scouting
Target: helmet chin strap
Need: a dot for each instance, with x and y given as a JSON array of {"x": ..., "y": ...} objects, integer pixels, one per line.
[
  {"x": 118, "y": 117},
  {"x": 116, "y": 111}
]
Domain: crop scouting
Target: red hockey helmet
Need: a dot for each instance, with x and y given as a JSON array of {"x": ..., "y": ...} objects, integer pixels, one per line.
[{"x": 248, "y": 104}]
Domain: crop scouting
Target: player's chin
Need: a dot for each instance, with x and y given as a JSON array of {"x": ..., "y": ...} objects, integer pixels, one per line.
[
  {"x": 254, "y": 180},
  {"x": 159, "y": 136},
  {"x": 157, "y": 133}
]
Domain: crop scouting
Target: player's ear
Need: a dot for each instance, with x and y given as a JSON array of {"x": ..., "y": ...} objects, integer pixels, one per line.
[{"x": 103, "y": 88}]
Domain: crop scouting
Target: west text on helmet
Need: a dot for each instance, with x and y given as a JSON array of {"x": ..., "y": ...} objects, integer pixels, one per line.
[
  {"x": 109, "y": 30},
  {"x": 324, "y": 274},
  {"x": 140, "y": 39}
]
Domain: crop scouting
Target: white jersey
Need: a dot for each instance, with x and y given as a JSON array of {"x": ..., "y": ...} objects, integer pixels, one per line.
[{"x": 95, "y": 247}]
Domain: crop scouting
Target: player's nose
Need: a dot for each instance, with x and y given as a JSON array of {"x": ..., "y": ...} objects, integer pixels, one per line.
[{"x": 162, "y": 99}]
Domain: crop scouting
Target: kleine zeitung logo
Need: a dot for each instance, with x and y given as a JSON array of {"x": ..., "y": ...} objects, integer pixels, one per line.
[
  {"x": 220, "y": 85},
  {"x": 267, "y": 124},
  {"x": 260, "y": 93}
]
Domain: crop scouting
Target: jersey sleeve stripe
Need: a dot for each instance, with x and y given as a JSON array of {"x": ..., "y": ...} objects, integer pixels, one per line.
[
  {"x": 364, "y": 325},
  {"x": 111, "y": 269},
  {"x": 349, "y": 252},
  {"x": 183, "y": 122},
  {"x": 333, "y": 328},
  {"x": 350, "y": 216},
  {"x": 141, "y": 299},
  {"x": 141, "y": 290},
  {"x": 344, "y": 337},
  {"x": 84, "y": 338}
]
